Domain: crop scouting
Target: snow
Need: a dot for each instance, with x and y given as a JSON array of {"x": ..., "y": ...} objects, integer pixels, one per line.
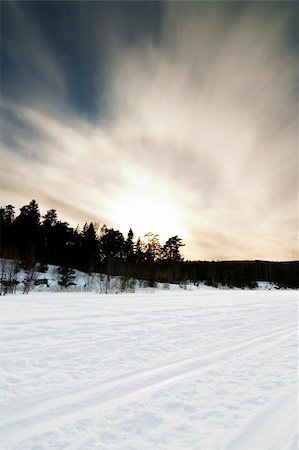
[{"x": 197, "y": 370}]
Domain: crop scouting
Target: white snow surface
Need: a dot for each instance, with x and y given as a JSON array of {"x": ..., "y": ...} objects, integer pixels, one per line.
[{"x": 177, "y": 370}]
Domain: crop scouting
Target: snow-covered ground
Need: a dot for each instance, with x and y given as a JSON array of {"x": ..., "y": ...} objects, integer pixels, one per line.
[{"x": 177, "y": 370}]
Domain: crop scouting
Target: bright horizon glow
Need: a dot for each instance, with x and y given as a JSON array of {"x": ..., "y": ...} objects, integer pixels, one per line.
[
  {"x": 144, "y": 214},
  {"x": 145, "y": 203}
]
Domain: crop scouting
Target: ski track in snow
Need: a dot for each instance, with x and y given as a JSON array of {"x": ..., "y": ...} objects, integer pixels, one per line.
[{"x": 194, "y": 370}]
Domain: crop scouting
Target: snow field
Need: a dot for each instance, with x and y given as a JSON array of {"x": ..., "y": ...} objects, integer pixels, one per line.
[{"x": 198, "y": 370}]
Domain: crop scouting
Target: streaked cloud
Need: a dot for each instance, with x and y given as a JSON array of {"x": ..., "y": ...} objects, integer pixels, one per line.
[{"x": 197, "y": 135}]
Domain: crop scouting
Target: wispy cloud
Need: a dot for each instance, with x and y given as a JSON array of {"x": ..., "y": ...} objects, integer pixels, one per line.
[{"x": 203, "y": 120}]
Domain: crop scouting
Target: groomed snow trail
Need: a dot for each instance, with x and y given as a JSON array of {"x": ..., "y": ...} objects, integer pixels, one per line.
[{"x": 199, "y": 370}]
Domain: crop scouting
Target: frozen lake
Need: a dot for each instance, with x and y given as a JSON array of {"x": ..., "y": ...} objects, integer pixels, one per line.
[{"x": 206, "y": 370}]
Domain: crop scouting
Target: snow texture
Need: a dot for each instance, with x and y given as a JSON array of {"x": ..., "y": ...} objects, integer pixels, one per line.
[{"x": 196, "y": 370}]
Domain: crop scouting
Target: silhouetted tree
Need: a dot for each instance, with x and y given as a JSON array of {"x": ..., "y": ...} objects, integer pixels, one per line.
[
  {"x": 7, "y": 232},
  {"x": 62, "y": 244},
  {"x": 89, "y": 247},
  {"x": 47, "y": 235},
  {"x": 8, "y": 214},
  {"x": 139, "y": 255},
  {"x": 50, "y": 218},
  {"x": 152, "y": 247},
  {"x": 129, "y": 246},
  {"x": 27, "y": 227},
  {"x": 112, "y": 243},
  {"x": 171, "y": 249}
]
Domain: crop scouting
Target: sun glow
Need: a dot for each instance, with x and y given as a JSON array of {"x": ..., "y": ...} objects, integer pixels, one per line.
[{"x": 144, "y": 213}]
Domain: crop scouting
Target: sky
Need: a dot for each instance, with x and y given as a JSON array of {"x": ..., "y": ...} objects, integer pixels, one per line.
[{"x": 178, "y": 118}]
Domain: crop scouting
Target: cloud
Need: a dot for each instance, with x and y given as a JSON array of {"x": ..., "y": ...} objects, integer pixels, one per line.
[
  {"x": 204, "y": 119},
  {"x": 32, "y": 69},
  {"x": 218, "y": 93}
]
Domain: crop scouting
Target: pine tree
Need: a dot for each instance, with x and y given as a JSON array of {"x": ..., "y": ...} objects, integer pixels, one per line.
[
  {"x": 27, "y": 228},
  {"x": 89, "y": 247},
  {"x": 171, "y": 249},
  {"x": 112, "y": 243},
  {"x": 139, "y": 255},
  {"x": 67, "y": 276},
  {"x": 129, "y": 246}
]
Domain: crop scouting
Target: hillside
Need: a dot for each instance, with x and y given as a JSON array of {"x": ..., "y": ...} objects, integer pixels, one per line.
[{"x": 17, "y": 279}]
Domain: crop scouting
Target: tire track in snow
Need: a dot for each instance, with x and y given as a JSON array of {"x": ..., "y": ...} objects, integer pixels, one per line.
[
  {"x": 19, "y": 424},
  {"x": 64, "y": 345}
]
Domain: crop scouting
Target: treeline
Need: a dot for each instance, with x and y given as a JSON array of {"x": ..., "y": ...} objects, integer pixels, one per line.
[{"x": 31, "y": 238}]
